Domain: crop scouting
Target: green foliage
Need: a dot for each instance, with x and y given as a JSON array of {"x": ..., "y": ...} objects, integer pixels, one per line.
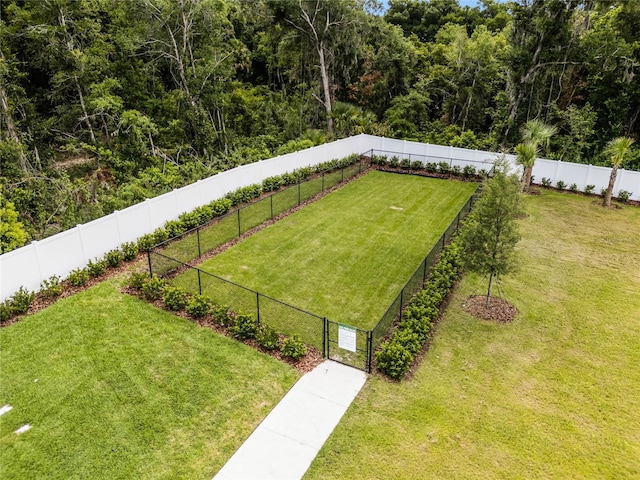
[
  {"x": 444, "y": 167},
  {"x": 78, "y": 277},
  {"x": 244, "y": 326},
  {"x": 623, "y": 196},
  {"x": 589, "y": 189},
  {"x": 393, "y": 359},
  {"x": 469, "y": 171},
  {"x": 129, "y": 251},
  {"x": 146, "y": 241},
  {"x": 137, "y": 280},
  {"x": 546, "y": 182},
  {"x": 12, "y": 233},
  {"x": 51, "y": 287},
  {"x": 114, "y": 258},
  {"x": 573, "y": 187},
  {"x": 560, "y": 185},
  {"x": 294, "y": 348},
  {"x": 153, "y": 289},
  {"x": 97, "y": 267},
  {"x": 21, "y": 300},
  {"x": 221, "y": 315},
  {"x": 5, "y": 312},
  {"x": 175, "y": 298},
  {"x": 267, "y": 337},
  {"x": 199, "y": 306}
]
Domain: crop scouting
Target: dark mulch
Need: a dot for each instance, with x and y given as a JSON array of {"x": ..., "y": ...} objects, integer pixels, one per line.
[{"x": 499, "y": 309}]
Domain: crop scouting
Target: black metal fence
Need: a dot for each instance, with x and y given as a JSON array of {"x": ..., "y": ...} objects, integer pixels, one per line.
[
  {"x": 313, "y": 329},
  {"x": 207, "y": 237}
]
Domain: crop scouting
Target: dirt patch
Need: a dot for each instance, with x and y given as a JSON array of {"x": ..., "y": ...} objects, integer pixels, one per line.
[{"x": 499, "y": 310}]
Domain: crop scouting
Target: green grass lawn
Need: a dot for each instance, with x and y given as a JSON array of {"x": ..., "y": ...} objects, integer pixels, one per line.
[
  {"x": 348, "y": 255},
  {"x": 555, "y": 394},
  {"x": 114, "y": 388}
]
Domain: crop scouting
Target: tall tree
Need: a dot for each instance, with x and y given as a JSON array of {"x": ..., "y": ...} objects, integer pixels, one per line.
[
  {"x": 617, "y": 150},
  {"x": 490, "y": 235}
]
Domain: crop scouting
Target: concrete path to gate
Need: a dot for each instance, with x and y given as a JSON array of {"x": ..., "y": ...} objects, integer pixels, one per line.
[{"x": 283, "y": 446}]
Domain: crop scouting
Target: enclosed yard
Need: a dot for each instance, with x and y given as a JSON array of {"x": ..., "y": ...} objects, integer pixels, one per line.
[
  {"x": 348, "y": 255},
  {"x": 555, "y": 394},
  {"x": 114, "y": 388}
]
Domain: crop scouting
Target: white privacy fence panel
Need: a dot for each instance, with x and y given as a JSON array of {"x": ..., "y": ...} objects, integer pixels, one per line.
[{"x": 66, "y": 251}]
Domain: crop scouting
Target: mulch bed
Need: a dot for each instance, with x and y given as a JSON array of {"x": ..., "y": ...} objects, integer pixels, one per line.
[{"x": 499, "y": 310}]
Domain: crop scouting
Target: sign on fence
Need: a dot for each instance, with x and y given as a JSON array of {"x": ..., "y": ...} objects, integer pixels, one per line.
[{"x": 347, "y": 337}]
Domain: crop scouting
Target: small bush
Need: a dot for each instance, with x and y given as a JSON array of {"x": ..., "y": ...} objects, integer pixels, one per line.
[
  {"x": 560, "y": 185},
  {"x": 443, "y": 167},
  {"x": 432, "y": 167},
  {"x": 546, "y": 182},
  {"x": 573, "y": 187},
  {"x": 5, "y": 312},
  {"x": 405, "y": 164},
  {"x": 456, "y": 170},
  {"x": 468, "y": 171},
  {"x": 603, "y": 192},
  {"x": 21, "y": 300},
  {"x": 78, "y": 277},
  {"x": 623, "y": 196},
  {"x": 294, "y": 348},
  {"x": 160, "y": 235},
  {"x": 97, "y": 268},
  {"x": 267, "y": 337},
  {"x": 145, "y": 242},
  {"x": 394, "y": 162},
  {"x": 393, "y": 359},
  {"x": 153, "y": 289},
  {"x": 221, "y": 315},
  {"x": 137, "y": 280},
  {"x": 51, "y": 287},
  {"x": 245, "y": 326},
  {"x": 175, "y": 298},
  {"x": 129, "y": 251},
  {"x": 199, "y": 306},
  {"x": 270, "y": 184},
  {"x": 417, "y": 165},
  {"x": 173, "y": 228},
  {"x": 589, "y": 189},
  {"x": 114, "y": 258},
  {"x": 189, "y": 220}
]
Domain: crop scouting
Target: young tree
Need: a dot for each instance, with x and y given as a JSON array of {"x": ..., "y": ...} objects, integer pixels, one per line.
[
  {"x": 617, "y": 151},
  {"x": 491, "y": 233},
  {"x": 534, "y": 134},
  {"x": 12, "y": 235}
]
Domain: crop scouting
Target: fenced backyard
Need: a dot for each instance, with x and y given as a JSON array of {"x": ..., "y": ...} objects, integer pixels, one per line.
[{"x": 347, "y": 338}]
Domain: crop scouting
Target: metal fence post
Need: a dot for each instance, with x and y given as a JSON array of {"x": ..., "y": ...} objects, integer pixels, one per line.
[
  {"x": 298, "y": 192},
  {"x": 401, "y": 300},
  {"x": 258, "y": 305},
  {"x": 199, "y": 248},
  {"x": 369, "y": 350},
  {"x": 444, "y": 239},
  {"x": 271, "y": 198},
  {"x": 199, "y": 282},
  {"x": 342, "y": 178},
  {"x": 325, "y": 339},
  {"x": 323, "y": 181},
  {"x": 149, "y": 260},
  {"x": 239, "y": 231},
  {"x": 458, "y": 220},
  {"x": 424, "y": 271}
]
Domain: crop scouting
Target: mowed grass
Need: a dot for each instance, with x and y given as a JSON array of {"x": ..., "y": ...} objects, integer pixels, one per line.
[
  {"x": 555, "y": 394},
  {"x": 348, "y": 255},
  {"x": 114, "y": 388}
]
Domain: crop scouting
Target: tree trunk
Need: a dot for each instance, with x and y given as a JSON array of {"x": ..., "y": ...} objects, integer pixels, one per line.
[
  {"x": 11, "y": 128},
  {"x": 489, "y": 291},
  {"x": 325, "y": 87},
  {"x": 612, "y": 181},
  {"x": 526, "y": 179}
]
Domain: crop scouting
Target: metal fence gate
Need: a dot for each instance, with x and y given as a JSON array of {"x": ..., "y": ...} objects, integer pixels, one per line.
[{"x": 348, "y": 345}]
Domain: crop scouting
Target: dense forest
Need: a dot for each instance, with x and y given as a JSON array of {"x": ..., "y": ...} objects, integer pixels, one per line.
[{"x": 104, "y": 103}]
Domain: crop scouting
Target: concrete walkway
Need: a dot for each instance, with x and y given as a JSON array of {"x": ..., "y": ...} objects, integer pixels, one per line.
[{"x": 289, "y": 438}]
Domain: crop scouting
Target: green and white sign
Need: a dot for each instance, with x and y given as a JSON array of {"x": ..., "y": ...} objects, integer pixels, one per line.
[{"x": 347, "y": 337}]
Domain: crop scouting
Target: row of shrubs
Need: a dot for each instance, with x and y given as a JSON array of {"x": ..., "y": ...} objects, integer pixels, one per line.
[
  {"x": 623, "y": 195},
  {"x": 240, "y": 326},
  {"x": 395, "y": 355},
  {"x": 52, "y": 287},
  {"x": 468, "y": 171}
]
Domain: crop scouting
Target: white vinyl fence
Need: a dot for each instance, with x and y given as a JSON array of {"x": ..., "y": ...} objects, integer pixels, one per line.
[{"x": 60, "y": 254}]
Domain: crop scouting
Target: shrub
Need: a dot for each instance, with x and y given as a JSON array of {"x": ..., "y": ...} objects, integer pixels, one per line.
[
  {"x": 393, "y": 359},
  {"x": 129, "y": 251},
  {"x": 560, "y": 185},
  {"x": 589, "y": 189},
  {"x": 245, "y": 326},
  {"x": 78, "y": 277},
  {"x": 456, "y": 170},
  {"x": 146, "y": 241},
  {"x": 573, "y": 187},
  {"x": 624, "y": 196},
  {"x": 97, "y": 268},
  {"x": 5, "y": 312},
  {"x": 114, "y": 258},
  {"x": 443, "y": 167},
  {"x": 137, "y": 280},
  {"x": 175, "y": 298},
  {"x": 468, "y": 171},
  {"x": 405, "y": 163},
  {"x": 160, "y": 235},
  {"x": 432, "y": 167},
  {"x": 270, "y": 184},
  {"x": 417, "y": 165},
  {"x": 172, "y": 229},
  {"x": 546, "y": 182},
  {"x": 221, "y": 315},
  {"x": 21, "y": 300},
  {"x": 153, "y": 289},
  {"x": 294, "y": 348},
  {"x": 199, "y": 306},
  {"x": 189, "y": 220},
  {"x": 603, "y": 192},
  {"x": 267, "y": 337},
  {"x": 394, "y": 162},
  {"x": 220, "y": 207},
  {"x": 51, "y": 287}
]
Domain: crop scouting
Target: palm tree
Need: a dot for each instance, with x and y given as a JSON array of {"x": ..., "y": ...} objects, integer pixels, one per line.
[
  {"x": 534, "y": 134},
  {"x": 617, "y": 150}
]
